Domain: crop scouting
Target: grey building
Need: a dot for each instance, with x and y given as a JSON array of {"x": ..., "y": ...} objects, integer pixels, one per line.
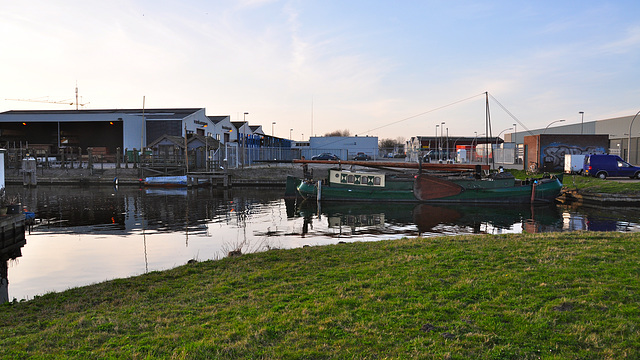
[{"x": 623, "y": 133}]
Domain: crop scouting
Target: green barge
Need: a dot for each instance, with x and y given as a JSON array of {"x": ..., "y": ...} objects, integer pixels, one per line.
[{"x": 501, "y": 187}]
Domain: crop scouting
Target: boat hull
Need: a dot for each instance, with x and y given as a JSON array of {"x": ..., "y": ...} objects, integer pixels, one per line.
[
  {"x": 166, "y": 181},
  {"x": 452, "y": 191}
]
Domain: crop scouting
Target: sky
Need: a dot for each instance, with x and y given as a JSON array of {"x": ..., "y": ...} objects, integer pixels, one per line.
[{"x": 392, "y": 69}]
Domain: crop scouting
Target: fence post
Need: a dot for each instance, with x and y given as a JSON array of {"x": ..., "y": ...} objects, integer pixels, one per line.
[
  {"x": 90, "y": 159},
  {"x": 135, "y": 158}
]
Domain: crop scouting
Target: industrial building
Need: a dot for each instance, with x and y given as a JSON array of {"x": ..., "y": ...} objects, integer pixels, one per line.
[{"x": 621, "y": 132}]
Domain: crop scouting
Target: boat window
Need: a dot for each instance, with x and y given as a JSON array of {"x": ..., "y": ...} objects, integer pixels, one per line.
[
  {"x": 377, "y": 180},
  {"x": 365, "y": 180},
  {"x": 350, "y": 179}
]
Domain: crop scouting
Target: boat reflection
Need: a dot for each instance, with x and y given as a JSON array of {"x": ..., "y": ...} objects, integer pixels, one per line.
[{"x": 421, "y": 219}]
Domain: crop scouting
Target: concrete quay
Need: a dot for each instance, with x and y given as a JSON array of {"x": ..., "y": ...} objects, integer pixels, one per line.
[{"x": 259, "y": 175}]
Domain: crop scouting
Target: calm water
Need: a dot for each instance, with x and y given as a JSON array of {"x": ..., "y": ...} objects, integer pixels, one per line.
[{"x": 88, "y": 235}]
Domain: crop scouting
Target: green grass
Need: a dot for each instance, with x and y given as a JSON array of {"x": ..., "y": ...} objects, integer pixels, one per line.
[
  {"x": 552, "y": 296},
  {"x": 588, "y": 184}
]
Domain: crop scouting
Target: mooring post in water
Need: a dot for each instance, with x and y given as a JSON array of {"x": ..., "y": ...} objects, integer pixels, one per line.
[
  {"x": 90, "y": 160},
  {"x": 533, "y": 190}
]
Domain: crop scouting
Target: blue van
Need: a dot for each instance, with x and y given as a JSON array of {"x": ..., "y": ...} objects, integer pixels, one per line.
[{"x": 608, "y": 165}]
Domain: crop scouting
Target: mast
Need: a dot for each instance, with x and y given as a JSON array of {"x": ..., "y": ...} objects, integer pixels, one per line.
[{"x": 488, "y": 129}]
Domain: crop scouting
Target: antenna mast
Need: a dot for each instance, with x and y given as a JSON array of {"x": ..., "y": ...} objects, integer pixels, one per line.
[{"x": 45, "y": 99}]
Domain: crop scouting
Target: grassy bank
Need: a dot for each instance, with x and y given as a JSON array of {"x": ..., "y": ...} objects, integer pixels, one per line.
[
  {"x": 552, "y": 296},
  {"x": 588, "y": 184}
]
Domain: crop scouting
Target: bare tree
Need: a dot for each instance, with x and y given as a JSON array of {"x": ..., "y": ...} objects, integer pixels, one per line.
[{"x": 343, "y": 133}]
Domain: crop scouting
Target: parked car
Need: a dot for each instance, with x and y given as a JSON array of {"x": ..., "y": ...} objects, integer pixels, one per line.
[
  {"x": 325, "y": 156},
  {"x": 433, "y": 155},
  {"x": 361, "y": 156},
  {"x": 603, "y": 166}
]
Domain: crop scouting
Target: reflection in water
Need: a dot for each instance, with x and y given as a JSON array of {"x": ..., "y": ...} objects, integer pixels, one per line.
[
  {"x": 425, "y": 219},
  {"x": 86, "y": 235},
  {"x": 11, "y": 242}
]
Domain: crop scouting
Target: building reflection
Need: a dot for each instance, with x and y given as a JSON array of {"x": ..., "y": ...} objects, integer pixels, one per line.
[
  {"x": 131, "y": 209},
  {"x": 420, "y": 219},
  {"x": 12, "y": 240}
]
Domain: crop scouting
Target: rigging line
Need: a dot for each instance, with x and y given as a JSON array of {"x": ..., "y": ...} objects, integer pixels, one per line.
[
  {"x": 423, "y": 113},
  {"x": 510, "y": 114},
  {"x": 410, "y": 117}
]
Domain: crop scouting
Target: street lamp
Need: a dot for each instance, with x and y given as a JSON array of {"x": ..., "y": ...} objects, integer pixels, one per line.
[
  {"x": 473, "y": 147},
  {"x": 629, "y": 139},
  {"x": 581, "y": 122},
  {"x": 272, "y": 133},
  {"x": 441, "y": 139},
  {"x": 515, "y": 134},
  {"x": 437, "y": 139},
  {"x": 447, "y": 147},
  {"x": 290, "y": 131},
  {"x": 244, "y": 135},
  {"x": 501, "y": 134},
  {"x": 553, "y": 122},
  {"x": 497, "y": 138}
]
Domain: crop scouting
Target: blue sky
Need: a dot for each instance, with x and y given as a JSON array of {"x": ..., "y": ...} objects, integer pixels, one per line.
[{"x": 321, "y": 66}]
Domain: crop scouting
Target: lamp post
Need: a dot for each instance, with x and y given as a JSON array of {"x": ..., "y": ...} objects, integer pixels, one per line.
[
  {"x": 441, "y": 138},
  {"x": 629, "y": 139},
  {"x": 553, "y": 122},
  {"x": 473, "y": 147},
  {"x": 446, "y": 150},
  {"x": 581, "y": 122},
  {"x": 515, "y": 142},
  {"x": 244, "y": 144},
  {"x": 437, "y": 139},
  {"x": 272, "y": 133},
  {"x": 455, "y": 149},
  {"x": 497, "y": 138},
  {"x": 290, "y": 132}
]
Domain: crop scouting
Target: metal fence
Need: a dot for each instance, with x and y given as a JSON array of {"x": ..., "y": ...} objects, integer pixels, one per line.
[{"x": 471, "y": 155}]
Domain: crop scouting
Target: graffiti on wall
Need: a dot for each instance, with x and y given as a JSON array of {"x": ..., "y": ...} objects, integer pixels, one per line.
[{"x": 553, "y": 154}]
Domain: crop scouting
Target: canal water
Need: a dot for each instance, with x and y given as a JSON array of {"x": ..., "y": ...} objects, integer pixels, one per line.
[{"x": 86, "y": 235}]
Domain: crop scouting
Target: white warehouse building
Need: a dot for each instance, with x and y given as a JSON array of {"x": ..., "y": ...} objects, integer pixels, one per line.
[{"x": 346, "y": 147}]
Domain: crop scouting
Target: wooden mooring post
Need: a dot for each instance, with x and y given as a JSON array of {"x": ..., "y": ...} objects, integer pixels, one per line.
[{"x": 212, "y": 179}]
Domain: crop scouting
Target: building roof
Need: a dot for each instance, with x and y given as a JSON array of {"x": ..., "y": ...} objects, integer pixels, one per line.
[
  {"x": 176, "y": 140},
  {"x": 213, "y": 143},
  {"x": 217, "y": 118},
  {"x": 149, "y": 114},
  {"x": 238, "y": 124}
]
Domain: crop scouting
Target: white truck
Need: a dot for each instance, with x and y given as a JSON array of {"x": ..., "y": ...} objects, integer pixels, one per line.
[{"x": 573, "y": 163}]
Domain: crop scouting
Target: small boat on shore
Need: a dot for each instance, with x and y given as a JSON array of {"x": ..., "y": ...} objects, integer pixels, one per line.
[
  {"x": 166, "y": 181},
  {"x": 378, "y": 186}
]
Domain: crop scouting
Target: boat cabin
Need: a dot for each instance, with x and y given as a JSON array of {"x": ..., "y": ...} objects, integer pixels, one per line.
[{"x": 347, "y": 177}]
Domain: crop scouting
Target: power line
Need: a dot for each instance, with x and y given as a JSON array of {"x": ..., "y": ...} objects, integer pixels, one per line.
[
  {"x": 510, "y": 114},
  {"x": 424, "y": 113}
]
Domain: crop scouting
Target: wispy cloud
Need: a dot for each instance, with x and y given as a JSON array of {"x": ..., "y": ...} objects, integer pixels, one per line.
[{"x": 629, "y": 42}]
